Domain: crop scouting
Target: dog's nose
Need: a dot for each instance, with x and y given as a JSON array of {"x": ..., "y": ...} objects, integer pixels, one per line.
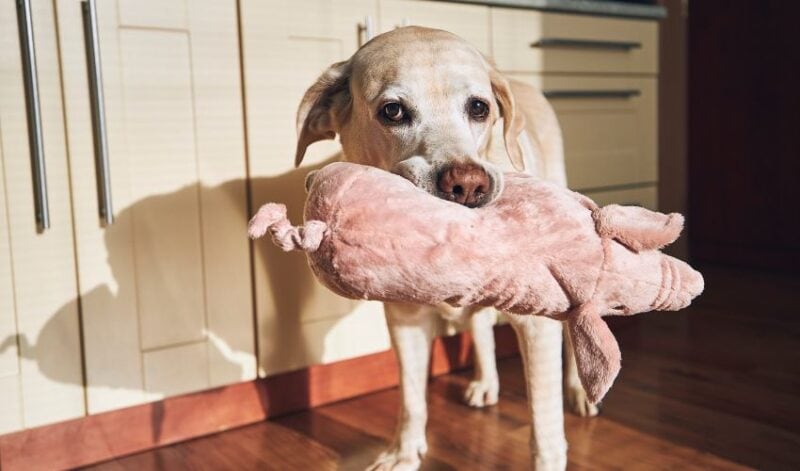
[{"x": 467, "y": 184}]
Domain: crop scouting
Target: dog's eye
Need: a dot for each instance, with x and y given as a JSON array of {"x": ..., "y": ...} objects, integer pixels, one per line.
[
  {"x": 393, "y": 112},
  {"x": 478, "y": 109}
]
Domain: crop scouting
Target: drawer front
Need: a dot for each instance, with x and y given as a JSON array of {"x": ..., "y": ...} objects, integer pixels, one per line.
[
  {"x": 530, "y": 41},
  {"x": 646, "y": 197},
  {"x": 471, "y": 22},
  {"x": 609, "y": 128}
]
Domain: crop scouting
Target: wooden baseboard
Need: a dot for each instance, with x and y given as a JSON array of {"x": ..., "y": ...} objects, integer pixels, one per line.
[{"x": 109, "y": 435}]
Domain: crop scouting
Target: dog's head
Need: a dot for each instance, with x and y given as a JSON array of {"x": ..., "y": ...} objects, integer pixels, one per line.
[{"x": 419, "y": 102}]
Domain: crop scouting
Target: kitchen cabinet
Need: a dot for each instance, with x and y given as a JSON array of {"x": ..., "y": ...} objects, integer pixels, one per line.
[
  {"x": 285, "y": 48},
  {"x": 40, "y": 352},
  {"x": 610, "y": 140},
  {"x": 165, "y": 288},
  {"x": 609, "y": 127},
  {"x": 600, "y": 75},
  {"x": 144, "y": 285}
]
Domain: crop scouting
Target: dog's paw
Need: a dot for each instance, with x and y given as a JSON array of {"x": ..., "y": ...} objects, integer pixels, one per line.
[
  {"x": 482, "y": 393},
  {"x": 401, "y": 457},
  {"x": 552, "y": 461},
  {"x": 578, "y": 402}
]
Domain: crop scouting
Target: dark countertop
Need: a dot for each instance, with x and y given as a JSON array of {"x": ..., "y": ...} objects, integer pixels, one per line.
[{"x": 587, "y": 7}]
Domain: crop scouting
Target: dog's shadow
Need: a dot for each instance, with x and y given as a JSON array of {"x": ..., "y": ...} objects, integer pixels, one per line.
[{"x": 295, "y": 315}]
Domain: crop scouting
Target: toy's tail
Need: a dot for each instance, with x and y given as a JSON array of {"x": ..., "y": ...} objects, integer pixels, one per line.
[
  {"x": 596, "y": 350},
  {"x": 272, "y": 217},
  {"x": 637, "y": 228}
]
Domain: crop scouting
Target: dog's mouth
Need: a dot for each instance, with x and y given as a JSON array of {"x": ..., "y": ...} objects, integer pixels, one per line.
[{"x": 472, "y": 185}]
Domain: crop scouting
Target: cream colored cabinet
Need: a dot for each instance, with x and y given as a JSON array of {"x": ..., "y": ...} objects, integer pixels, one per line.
[
  {"x": 165, "y": 289},
  {"x": 609, "y": 127},
  {"x": 471, "y": 22},
  {"x": 286, "y": 45},
  {"x": 41, "y": 380},
  {"x": 600, "y": 75},
  {"x": 97, "y": 315}
]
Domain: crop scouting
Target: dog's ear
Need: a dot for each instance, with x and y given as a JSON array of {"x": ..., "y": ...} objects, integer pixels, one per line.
[
  {"x": 310, "y": 179},
  {"x": 322, "y": 108},
  {"x": 513, "y": 119}
]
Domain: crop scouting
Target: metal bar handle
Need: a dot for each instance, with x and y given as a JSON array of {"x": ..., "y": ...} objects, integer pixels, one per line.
[
  {"x": 602, "y": 94},
  {"x": 586, "y": 44},
  {"x": 34, "y": 112},
  {"x": 102, "y": 172}
]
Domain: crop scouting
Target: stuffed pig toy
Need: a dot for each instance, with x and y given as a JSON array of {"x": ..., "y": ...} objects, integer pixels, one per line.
[{"x": 538, "y": 249}]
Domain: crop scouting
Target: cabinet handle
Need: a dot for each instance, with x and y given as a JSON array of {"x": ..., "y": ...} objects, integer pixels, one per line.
[
  {"x": 101, "y": 167},
  {"x": 586, "y": 44},
  {"x": 367, "y": 28},
  {"x": 34, "y": 112},
  {"x": 602, "y": 94}
]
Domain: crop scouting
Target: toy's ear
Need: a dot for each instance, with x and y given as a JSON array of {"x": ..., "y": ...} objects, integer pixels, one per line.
[
  {"x": 636, "y": 227},
  {"x": 596, "y": 350},
  {"x": 513, "y": 119},
  {"x": 322, "y": 108}
]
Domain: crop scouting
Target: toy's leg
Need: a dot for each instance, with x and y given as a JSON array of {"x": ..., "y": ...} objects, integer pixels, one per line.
[
  {"x": 411, "y": 329},
  {"x": 540, "y": 344},
  {"x": 574, "y": 393},
  {"x": 484, "y": 389}
]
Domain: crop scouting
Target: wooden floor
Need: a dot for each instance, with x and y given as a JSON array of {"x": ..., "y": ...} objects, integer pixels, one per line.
[{"x": 714, "y": 387}]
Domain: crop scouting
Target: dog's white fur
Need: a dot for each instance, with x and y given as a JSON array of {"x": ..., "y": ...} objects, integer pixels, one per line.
[{"x": 434, "y": 75}]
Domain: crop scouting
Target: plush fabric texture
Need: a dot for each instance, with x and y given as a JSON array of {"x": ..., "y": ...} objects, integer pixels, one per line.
[{"x": 538, "y": 249}]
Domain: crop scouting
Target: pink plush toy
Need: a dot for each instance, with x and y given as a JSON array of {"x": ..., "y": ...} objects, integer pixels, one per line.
[{"x": 538, "y": 249}]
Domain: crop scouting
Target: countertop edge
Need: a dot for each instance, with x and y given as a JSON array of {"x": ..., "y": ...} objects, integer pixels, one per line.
[{"x": 586, "y": 7}]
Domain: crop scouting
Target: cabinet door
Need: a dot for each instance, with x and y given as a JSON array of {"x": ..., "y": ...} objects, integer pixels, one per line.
[
  {"x": 286, "y": 45},
  {"x": 471, "y": 22},
  {"x": 40, "y": 355},
  {"x": 165, "y": 289}
]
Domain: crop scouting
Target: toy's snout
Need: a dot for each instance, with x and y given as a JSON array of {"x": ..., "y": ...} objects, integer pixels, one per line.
[{"x": 680, "y": 285}]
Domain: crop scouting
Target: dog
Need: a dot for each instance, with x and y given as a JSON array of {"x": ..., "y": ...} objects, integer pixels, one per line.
[{"x": 422, "y": 103}]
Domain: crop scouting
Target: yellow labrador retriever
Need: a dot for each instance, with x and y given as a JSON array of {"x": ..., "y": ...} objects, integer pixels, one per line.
[{"x": 422, "y": 103}]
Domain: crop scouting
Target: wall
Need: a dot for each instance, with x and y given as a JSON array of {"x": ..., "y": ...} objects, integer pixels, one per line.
[{"x": 744, "y": 145}]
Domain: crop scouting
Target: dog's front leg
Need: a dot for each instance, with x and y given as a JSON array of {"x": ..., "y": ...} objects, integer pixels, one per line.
[
  {"x": 577, "y": 399},
  {"x": 540, "y": 345},
  {"x": 411, "y": 329},
  {"x": 484, "y": 389}
]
